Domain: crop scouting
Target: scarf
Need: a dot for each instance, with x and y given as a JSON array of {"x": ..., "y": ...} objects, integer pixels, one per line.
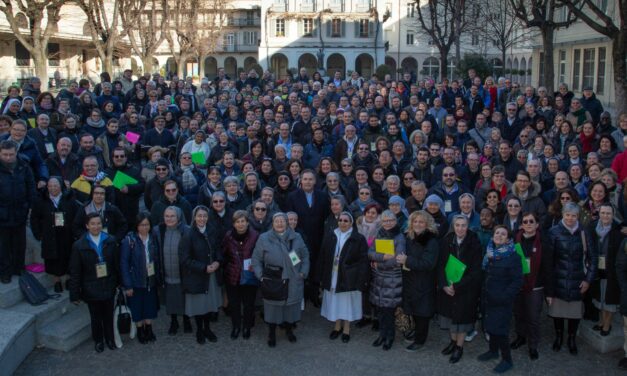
[
  {"x": 188, "y": 179},
  {"x": 581, "y": 116},
  {"x": 587, "y": 142},
  {"x": 535, "y": 260},
  {"x": 91, "y": 208},
  {"x": 572, "y": 230},
  {"x": 95, "y": 179},
  {"x": 497, "y": 253},
  {"x": 602, "y": 230},
  {"x": 95, "y": 124},
  {"x": 369, "y": 230}
]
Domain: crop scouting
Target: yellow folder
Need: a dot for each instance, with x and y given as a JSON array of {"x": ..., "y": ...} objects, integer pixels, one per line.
[{"x": 385, "y": 246}]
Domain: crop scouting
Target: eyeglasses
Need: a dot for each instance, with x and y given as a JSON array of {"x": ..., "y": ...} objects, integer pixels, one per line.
[
  {"x": 434, "y": 150},
  {"x": 448, "y": 175},
  {"x": 408, "y": 178},
  {"x": 524, "y": 136},
  {"x": 161, "y": 169},
  {"x": 186, "y": 157},
  {"x": 528, "y": 222},
  {"x": 260, "y": 209},
  {"x": 218, "y": 201},
  {"x": 364, "y": 193},
  {"x": 565, "y": 198},
  {"x": 171, "y": 190},
  {"x": 511, "y": 109},
  {"x": 119, "y": 156},
  {"x": 513, "y": 206},
  {"x": 363, "y": 149}
]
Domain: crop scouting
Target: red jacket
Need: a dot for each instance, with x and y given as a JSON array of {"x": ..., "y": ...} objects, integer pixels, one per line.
[
  {"x": 235, "y": 253},
  {"x": 619, "y": 165}
]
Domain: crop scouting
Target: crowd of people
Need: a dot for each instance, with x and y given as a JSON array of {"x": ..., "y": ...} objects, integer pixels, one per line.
[{"x": 383, "y": 202}]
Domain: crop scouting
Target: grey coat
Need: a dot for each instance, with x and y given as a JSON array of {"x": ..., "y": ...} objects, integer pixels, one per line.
[
  {"x": 386, "y": 285},
  {"x": 274, "y": 250}
]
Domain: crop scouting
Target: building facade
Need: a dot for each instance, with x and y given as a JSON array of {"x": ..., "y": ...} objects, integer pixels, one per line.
[{"x": 337, "y": 35}]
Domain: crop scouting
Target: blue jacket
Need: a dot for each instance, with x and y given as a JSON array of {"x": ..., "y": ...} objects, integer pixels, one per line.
[
  {"x": 503, "y": 281},
  {"x": 28, "y": 153},
  {"x": 313, "y": 153},
  {"x": 133, "y": 266}
]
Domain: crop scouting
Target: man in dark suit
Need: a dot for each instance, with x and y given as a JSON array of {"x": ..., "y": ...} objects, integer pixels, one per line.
[{"x": 312, "y": 207}]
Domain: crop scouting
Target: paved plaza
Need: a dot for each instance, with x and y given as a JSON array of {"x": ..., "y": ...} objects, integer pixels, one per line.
[{"x": 313, "y": 354}]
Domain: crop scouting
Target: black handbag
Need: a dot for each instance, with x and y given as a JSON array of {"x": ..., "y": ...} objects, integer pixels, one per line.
[
  {"x": 124, "y": 318},
  {"x": 273, "y": 286},
  {"x": 34, "y": 292}
]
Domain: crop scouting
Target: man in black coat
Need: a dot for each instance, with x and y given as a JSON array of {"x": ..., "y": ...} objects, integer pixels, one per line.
[
  {"x": 507, "y": 159},
  {"x": 312, "y": 207},
  {"x": 63, "y": 162},
  {"x": 511, "y": 125},
  {"x": 17, "y": 194},
  {"x": 126, "y": 198}
]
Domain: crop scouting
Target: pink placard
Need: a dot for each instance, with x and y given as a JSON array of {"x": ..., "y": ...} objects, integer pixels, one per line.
[{"x": 132, "y": 137}]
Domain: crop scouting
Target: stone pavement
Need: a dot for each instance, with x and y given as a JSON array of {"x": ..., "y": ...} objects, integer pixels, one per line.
[{"x": 313, "y": 354}]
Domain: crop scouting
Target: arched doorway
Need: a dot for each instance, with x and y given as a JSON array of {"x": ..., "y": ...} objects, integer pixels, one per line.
[
  {"x": 431, "y": 68},
  {"x": 515, "y": 70},
  {"x": 529, "y": 69},
  {"x": 409, "y": 65},
  {"x": 278, "y": 65},
  {"x": 211, "y": 67},
  {"x": 497, "y": 68},
  {"x": 171, "y": 67},
  {"x": 336, "y": 63},
  {"x": 309, "y": 62},
  {"x": 230, "y": 67},
  {"x": 249, "y": 63},
  {"x": 523, "y": 71},
  {"x": 364, "y": 65},
  {"x": 391, "y": 63},
  {"x": 191, "y": 67}
]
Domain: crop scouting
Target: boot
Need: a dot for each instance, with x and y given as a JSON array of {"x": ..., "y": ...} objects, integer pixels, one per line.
[
  {"x": 187, "y": 324},
  {"x": 174, "y": 326},
  {"x": 150, "y": 336},
  {"x": 200, "y": 335},
  {"x": 290, "y": 333},
  {"x": 211, "y": 337},
  {"x": 141, "y": 334},
  {"x": 458, "y": 351},
  {"x": 272, "y": 335},
  {"x": 572, "y": 345},
  {"x": 559, "y": 338},
  {"x": 448, "y": 350}
]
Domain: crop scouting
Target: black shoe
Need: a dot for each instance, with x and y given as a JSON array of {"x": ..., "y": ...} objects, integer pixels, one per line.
[
  {"x": 378, "y": 342},
  {"x": 99, "y": 347},
  {"x": 559, "y": 339},
  {"x": 187, "y": 325},
  {"x": 200, "y": 336},
  {"x": 334, "y": 334},
  {"x": 141, "y": 335},
  {"x": 246, "y": 333},
  {"x": 211, "y": 337},
  {"x": 213, "y": 316},
  {"x": 235, "y": 333},
  {"x": 346, "y": 337},
  {"x": 488, "y": 355},
  {"x": 533, "y": 354},
  {"x": 271, "y": 342},
  {"x": 414, "y": 347},
  {"x": 375, "y": 325},
  {"x": 174, "y": 327},
  {"x": 290, "y": 336},
  {"x": 606, "y": 333},
  {"x": 458, "y": 351},
  {"x": 58, "y": 287},
  {"x": 150, "y": 336},
  {"x": 5, "y": 279},
  {"x": 519, "y": 341},
  {"x": 388, "y": 344},
  {"x": 448, "y": 350},
  {"x": 623, "y": 363},
  {"x": 365, "y": 321},
  {"x": 572, "y": 345},
  {"x": 597, "y": 327},
  {"x": 111, "y": 345}
]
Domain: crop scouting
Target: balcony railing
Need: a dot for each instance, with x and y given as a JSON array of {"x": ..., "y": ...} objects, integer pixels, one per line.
[
  {"x": 308, "y": 7},
  {"x": 236, "y": 47},
  {"x": 279, "y": 7},
  {"x": 362, "y": 7},
  {"x": 243, "y": 22}
]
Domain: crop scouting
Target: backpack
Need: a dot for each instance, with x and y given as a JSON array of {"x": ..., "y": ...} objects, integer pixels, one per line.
[{"x": 34, "y": 292}]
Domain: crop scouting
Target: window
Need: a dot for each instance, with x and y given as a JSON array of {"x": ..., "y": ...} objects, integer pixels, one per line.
[
  {"x": 475, "y": 39},
  {"x": 601, "y": 71},
  {"x": 410, "y": 38},
  {"x": 362, "y": 5},
  {"x": 336, "y": 28},
  {"x": 22, "y": 56},
  {"x": 411, "y": 9},
  {"x": 279, "y": 29},
  {"x": 430, "y": 42},
  {"x": 364, "y": 28},
  {"x": 54, "y": 56},
  {"x": 251, "y": 38},
  {"x": 562, "y": 66},
  {"x": 588, "y": 67},
  {"x": 576, "y": 66},
  {"x": 541, "y": 68},
  {"x": 308, "y": 27}
]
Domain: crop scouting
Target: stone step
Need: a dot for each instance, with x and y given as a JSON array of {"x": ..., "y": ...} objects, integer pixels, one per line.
[
  {"x": 10, "y": 293},
  {"x": 46, "y": 313},
  {"x": 17, "y": 339},
  {"x": 612, "y": 342},
  {"x": 68, "y": 331}
]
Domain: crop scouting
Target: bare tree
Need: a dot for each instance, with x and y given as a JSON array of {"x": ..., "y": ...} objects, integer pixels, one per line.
[
  {"x": 443, "y": 21},
  {"x": 590, "y": 13},
  {"x": 183, "y": 29},
  {"x": 500, "y": 26},
  {"x": 145, "y": 22},
  {"x": 541, "y": 14},
  {"x": 103, "y": 19},
  {"x": 214, "y": 17},
  {"x": 43, "y": 18}
]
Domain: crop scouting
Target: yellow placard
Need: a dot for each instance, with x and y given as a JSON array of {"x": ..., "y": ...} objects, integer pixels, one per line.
[{"x": 385, "y": 246}]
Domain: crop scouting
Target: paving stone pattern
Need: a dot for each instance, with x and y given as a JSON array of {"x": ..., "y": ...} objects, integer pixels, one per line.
[{"x": 312, "y": 354}]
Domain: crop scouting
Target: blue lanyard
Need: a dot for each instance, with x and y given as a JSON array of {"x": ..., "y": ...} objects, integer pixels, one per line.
[{"x": 97, "y": 247}]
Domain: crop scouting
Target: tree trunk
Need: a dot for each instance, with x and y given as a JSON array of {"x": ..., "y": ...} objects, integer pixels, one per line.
[
  {"x": 443, "y": 63},
  {"x": 549, "y": 70},
  {"x": 619, "y": 51},
  {"x": 107, "y": 64},
  {"x": 147, "y": 63},
  {"x": 41, "y": 68},
  {"x": 502, "y": 73}
]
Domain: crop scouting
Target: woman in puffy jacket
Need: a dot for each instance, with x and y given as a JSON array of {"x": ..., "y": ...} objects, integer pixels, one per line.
[{"x": 575, "y": 267}]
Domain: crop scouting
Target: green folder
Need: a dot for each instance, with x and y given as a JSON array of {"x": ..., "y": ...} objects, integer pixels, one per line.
[
  {"x": 121, "y": 179},
  {"x": 199, "y": 158},
  {"x": 454, "y": 269},
  {"x": 523, "y": 260}
]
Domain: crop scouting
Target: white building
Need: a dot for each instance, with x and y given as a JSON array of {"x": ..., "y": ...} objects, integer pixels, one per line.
[{"x": 346, "y": 35}]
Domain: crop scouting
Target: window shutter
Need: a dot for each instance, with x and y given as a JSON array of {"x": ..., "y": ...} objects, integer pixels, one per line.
[
  {"x": 328, "y": 23},
  {"x": 286, "y": 24},
  {"x": 301, "y": 28},
  {"x": 370, "y": 29},
  {"x": 273, "y": 26},
  {"x": 356, "y": 25},
  {"x": 343, "y": 24},
  {"x": 314, "y": 31}
]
